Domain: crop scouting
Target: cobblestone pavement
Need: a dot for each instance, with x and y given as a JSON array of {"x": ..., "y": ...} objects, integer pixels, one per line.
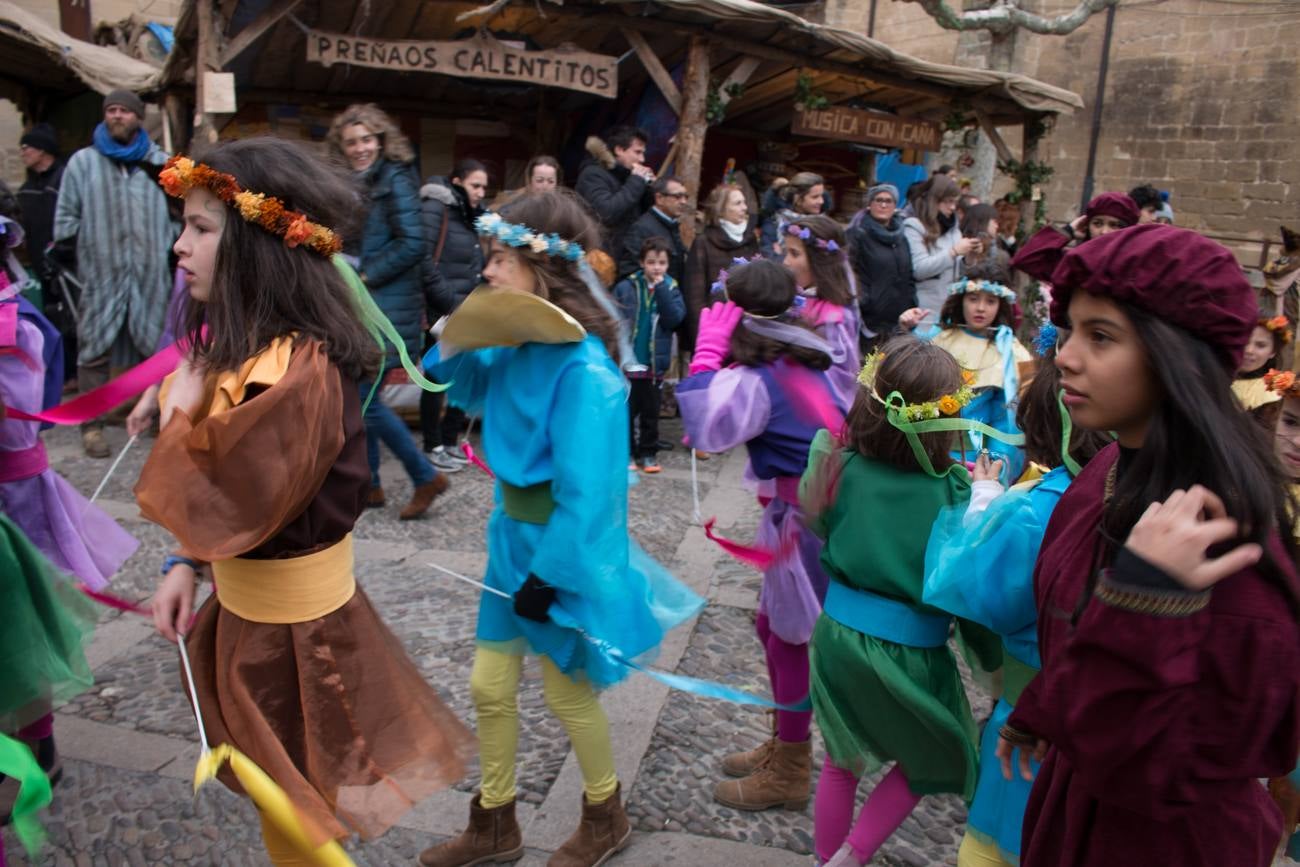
[{"x": 129, "y": 742}]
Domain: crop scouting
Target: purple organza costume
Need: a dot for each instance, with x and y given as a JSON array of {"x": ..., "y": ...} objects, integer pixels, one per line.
[
  {"x": 839, "y": 327},
  {"x": 76, "y": 536},
  {"x": 747, "y": 406}
]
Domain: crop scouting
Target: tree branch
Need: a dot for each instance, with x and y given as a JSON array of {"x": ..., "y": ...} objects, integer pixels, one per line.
[{"x": 1002, "y": 17}]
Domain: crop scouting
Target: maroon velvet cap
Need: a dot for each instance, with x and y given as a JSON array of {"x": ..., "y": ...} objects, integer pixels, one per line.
[
  {"x": 1175, "y": 274},
  {"x": 1117, "y": 205}
]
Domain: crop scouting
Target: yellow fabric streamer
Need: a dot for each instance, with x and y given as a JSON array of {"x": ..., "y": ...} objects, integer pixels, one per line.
[{"x": 272, "y": 801}]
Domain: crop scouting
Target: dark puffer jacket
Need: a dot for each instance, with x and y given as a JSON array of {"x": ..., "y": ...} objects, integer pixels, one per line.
[
  {"x": 460, "y": 267},
  {"x": 713, "y": 251},
  {"x": 882, "y": 263},
  {"x": 391, "y": 249},
  {"x": 616, "y": 195},
  {"x": 648, "y": 225}
]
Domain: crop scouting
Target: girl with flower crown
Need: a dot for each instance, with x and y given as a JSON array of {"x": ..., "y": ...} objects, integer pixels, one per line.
[
  {"x": 885, "y": 687},
  {"x": 975, "y": 326},
  {"x": 260, "y": 473},
  {"x": 761, "y": 379},
  {"x": 980, "y": 566},
  {"x": 1271, "y": 334},
  {"x": 534, "y": 354},
  {"x": 814, "y": 253}
]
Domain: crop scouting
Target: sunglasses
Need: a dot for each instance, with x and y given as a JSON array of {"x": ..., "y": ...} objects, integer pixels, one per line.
[{"x": 882, "y": 200}]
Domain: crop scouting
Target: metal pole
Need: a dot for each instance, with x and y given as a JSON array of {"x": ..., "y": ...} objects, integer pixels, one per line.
[{"x": 1095, "y": 136}]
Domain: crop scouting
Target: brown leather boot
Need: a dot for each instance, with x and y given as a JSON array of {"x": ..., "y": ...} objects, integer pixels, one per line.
[
  {"x": 375, "y": 499},
  {"x": 744, "y": 764},
  {"x": 603, "y": 831},
  {"x": 94, "y": 444},
  {"x": 423, "y": 496},
  {"x": 492, "y": 837},
  {"x": 784, "y": 780}
]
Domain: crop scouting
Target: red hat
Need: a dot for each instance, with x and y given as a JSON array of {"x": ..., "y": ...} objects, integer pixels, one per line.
[
  {"x": 1117, "y": 205},
  {"x": 1174, "y": 274}
]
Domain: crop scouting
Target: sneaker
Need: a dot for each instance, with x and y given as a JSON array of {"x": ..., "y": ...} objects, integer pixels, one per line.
[
  {"x": 447, "y": 461},
  {"x": 650, "y": 466},
  {"x": 633, "y": 466}
]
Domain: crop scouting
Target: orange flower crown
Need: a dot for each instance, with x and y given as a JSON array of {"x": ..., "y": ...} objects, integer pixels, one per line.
[
  {"x": 182, "y": 174},
  {"x": 1282, "y": 382},
  {"x": 1280, "y": 326}
]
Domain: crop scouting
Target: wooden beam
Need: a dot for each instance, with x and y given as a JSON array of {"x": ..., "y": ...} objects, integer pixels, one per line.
[
  {"x": 739, "y": 75},
  {"x": 1004, "y": 152},
  {"x": 650, "y": 61},
  {"x": 255, "y": 29},
  {"x": 205, "y": 58},
  {"x": 690, "y": 132}
]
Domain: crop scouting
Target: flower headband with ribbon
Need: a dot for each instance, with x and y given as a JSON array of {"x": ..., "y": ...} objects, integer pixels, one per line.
[
  {"x": 803, "y": 233},
  {"x": 932, "y": 416},
  {"x": 1279, "y": 326},
  {"x": 182, "y": 174},
  {"x": 964, "y": 285},
  {"x": 1282, "y": 383},
  {"x": 492, "y": 225}
]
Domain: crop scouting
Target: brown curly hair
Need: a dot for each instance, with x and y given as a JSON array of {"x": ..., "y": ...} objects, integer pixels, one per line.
[{"x": 394, "y": 143}]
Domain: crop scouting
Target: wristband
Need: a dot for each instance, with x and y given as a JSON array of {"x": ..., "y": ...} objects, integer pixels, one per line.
[{"x": 171, "y": 561}]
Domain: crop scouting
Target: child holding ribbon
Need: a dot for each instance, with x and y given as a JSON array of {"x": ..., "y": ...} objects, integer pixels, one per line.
[
  {"x": 975, "y": 327},
  {"x": 1166, "y": 584},
  {"x": 534, "y": 353},
  {"x": 260, "y": 473},
  {"x": 815, "y": 254},
  {"x": 980, "y": 566},
  {"x": 764, "y": 400},
  {"x": 885, "y": 686}
]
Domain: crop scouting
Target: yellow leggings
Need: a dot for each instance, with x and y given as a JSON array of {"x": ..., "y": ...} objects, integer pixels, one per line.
[
  {"x": 975, "y": 853},
  {"x": 494, "y": 686}
]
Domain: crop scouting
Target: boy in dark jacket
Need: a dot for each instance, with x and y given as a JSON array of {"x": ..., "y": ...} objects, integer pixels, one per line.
[{"x": 652, "y": 307}]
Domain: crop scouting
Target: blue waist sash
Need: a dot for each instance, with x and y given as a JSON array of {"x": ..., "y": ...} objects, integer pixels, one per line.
[{"x": 882, "y": 618}]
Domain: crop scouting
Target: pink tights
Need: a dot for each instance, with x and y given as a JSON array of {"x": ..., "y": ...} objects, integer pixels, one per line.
[
  {"x": 787, "y": 668},
  {"x": 889, "y": 803},
  {"x": 39, "y": 730}
]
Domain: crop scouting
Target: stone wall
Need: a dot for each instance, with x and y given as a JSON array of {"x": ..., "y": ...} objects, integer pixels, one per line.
[{"x": 1202, "y": 99}]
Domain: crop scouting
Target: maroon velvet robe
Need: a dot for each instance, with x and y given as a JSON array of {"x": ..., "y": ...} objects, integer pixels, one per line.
[{"x": 1160, "y": 727}]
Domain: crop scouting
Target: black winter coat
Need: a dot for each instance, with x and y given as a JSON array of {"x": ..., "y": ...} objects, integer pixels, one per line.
[
  {"x": 460, "y": 267},
  {"x": 649, "y": 225},
  {"x": 882, "y": 263},
  {"x": 617, "y": 196}
]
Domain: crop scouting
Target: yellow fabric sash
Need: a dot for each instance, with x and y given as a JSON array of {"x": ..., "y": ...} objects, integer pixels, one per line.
[{"x": 287, "y": 591}]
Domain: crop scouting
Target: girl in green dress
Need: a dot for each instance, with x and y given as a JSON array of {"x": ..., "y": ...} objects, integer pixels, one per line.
[{"x": 885, "y": 686}]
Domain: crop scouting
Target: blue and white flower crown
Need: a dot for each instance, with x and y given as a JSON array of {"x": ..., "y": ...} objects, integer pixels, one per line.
[
  {"x": 964, "y": 285},
  {"x": 517, "y": 235}
]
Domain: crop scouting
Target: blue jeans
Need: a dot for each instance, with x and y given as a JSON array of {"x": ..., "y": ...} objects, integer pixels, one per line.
[{"x": 383, "y": 424}]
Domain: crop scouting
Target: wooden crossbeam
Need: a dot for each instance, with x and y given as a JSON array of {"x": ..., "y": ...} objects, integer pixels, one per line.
[
  {"x": 658, "y": 74},
  {"x": 254, "y": 30},
  {"x": 990, "y": 130}
]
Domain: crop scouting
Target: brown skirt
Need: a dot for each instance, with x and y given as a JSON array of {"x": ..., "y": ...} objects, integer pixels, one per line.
[{"x": 332, "y": 709}]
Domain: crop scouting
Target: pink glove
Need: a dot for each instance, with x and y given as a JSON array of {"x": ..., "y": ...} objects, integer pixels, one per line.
[{"x": 713, "y": 340}]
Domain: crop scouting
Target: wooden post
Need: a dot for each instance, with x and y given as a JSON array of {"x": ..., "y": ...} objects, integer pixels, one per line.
[
  {"x": 206, "y": 54},
  {"x": 1031, "y": 136},
  {"x": 691, "y": 130}
]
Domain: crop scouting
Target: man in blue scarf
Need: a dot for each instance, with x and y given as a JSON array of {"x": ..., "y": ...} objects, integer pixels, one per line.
[{"x": 112, "y": 222}]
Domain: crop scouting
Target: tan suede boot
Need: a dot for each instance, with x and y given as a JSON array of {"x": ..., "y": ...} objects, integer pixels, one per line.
[
  {"x": 603, "y": 831},
  {"x": 784, "y": 780},
  {"x": 744, "y": 764},
  {"x": 493, "y": 837}
]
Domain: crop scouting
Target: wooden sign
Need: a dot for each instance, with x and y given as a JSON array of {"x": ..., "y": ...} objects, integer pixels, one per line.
[
  {"x": 868, "y": 127},
  {"x": 480, "y": 57}
]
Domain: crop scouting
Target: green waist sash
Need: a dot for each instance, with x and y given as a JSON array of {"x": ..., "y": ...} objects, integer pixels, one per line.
[
  {"x": 1015, "y": 677},
  {"x": 532, "y": 505}
]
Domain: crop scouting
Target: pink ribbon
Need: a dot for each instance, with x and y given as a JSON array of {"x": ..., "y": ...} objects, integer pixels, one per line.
[
  {"x": 115, "y": 392},
  {"x": 471, "y": 456},
  {"x": 115, "y": 601}
]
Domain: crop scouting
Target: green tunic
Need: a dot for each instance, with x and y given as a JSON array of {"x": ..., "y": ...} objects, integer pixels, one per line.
[{"x": 876, "y": 701}]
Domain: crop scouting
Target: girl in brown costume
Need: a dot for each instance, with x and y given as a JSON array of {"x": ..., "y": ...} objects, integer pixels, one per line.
[{"x": 260, "y": 473}]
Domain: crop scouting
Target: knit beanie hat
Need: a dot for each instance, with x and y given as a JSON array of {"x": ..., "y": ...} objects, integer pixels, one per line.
[
  {"x": 127, "y": 100},
  {"x": 1174, "y": 274},
  {"x": 883, "y": 188},
  {"x": 43, "y": 138}
]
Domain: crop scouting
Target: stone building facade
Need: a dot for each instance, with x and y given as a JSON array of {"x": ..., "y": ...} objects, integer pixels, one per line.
[{"x": 1202, "y": 99}]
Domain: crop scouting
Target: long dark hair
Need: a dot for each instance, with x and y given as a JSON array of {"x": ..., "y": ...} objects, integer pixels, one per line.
[
  {"x": 559, "y": 281},
  {"x": 1039, "y": 419},
  {"x": 926, "y": 205},
  {"x": 1198, "y": 435},
  {"x": 829, "y": 269},
  {"x": 263, "y": 289},
  {"x": 920, "y": 372},
  {"x": 765, "y": 289}
]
